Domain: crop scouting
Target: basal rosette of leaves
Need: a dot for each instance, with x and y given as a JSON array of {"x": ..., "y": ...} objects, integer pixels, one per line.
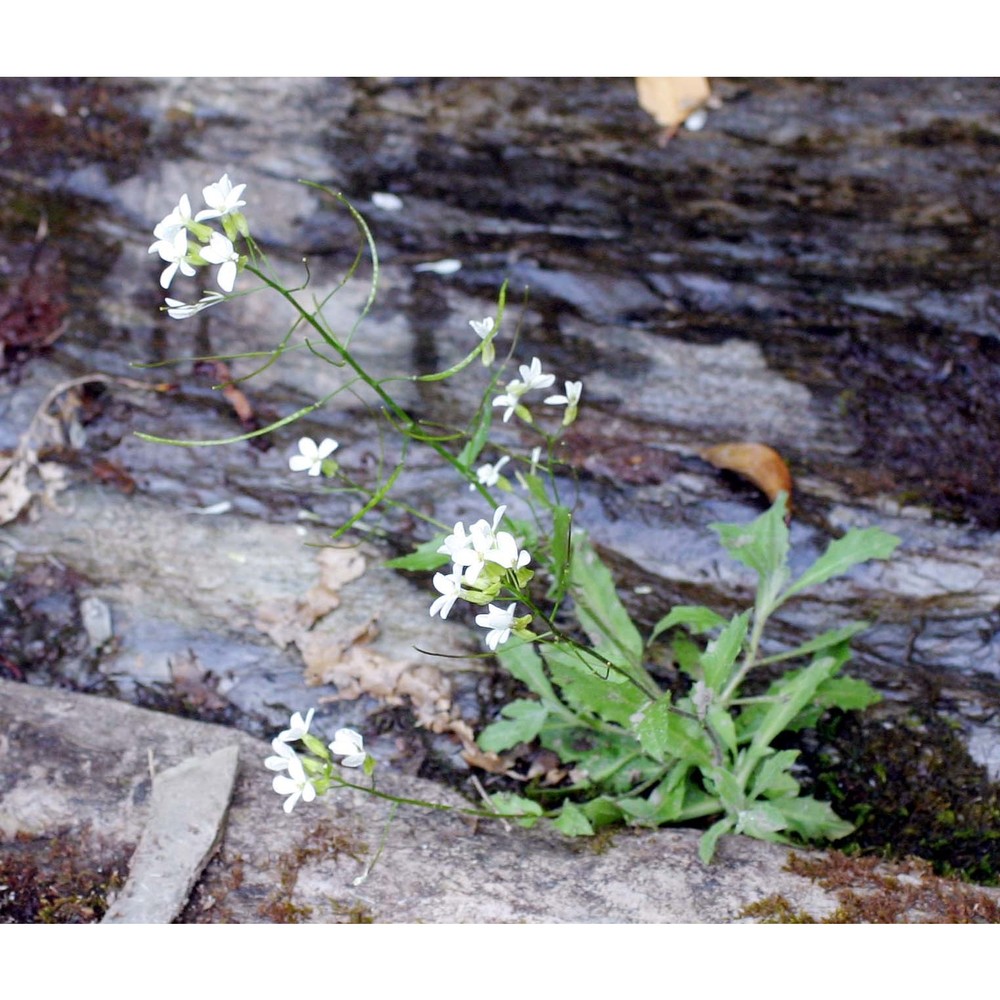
[{"x": 642, "y": 756}]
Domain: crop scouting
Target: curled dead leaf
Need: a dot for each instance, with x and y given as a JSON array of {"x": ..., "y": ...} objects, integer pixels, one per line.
[{"x": 758, "y": 463}]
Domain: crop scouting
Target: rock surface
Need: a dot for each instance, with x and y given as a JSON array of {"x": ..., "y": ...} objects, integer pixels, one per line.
[{"x": 72, "y": 762}]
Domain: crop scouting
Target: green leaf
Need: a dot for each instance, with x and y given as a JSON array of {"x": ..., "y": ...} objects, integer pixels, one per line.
[
  {"x": 821, "y": 642},
  {"x": 522, "y": 721},
  {"x": 763, "y": 821},
  {"x": 812, "y": 819},
  {"x": 423, "y": 558},
  {"x": 589, "y": 685},
  {"x": 599, "y": 609},
  {"x": 664, "y": 734},
  {"x": 708, "y": 840},
  {"x": 695, "y": 617},
  {"x": 687, "y": 655},
  {"x": 561, "y": 551},
  {"x": 722, "y": 724},
  {"x": 773, "y": 778},
  {"x": 522, "y": 810},
  {"x": 721, "y": 653},
  {"x": 523, "y": 663},
  {"x": 796, "y": 692},
  {"x": 602, "y": 811},
  {"x": 572, "y": 821},
  {"x": 763, "y": 544},
  {"x": 857, "y": 546}
]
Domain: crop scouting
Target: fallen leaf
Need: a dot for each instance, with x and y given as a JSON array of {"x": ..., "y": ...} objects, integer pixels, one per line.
[
  {"x": 194, "y": 683},
  {"x": 670, "y": 99},
  {"x": 288, "y": 619},
  {"x": 758, "y": 463}
]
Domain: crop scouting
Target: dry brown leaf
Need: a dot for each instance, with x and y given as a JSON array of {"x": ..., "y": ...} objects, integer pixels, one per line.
[
  {"x": 196, "y": 685},
  {"x": 288, "y": 619},
  {"x": 762, "y": 465},
  {"x": 671, "y": 99}
]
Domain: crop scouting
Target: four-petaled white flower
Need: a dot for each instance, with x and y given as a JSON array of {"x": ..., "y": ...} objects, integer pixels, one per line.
[
  {"x": 222, "y": 199},
  {"x": 489, "y": 475},
  {"x": 182, "y": 310},
  {"x": 168, "y": 227},
  {"x": 482, "y": 542},
  {"x": 283, "y": 753},
  {"x": 572, "y": 397},
  {"x": 311, "y": 455},
  {"x": 449, "y": 585},
  {"x": 505, "y": 552},
  {"x": 295, "y": 784},
  {"x": 297, "y": 727},
  {"x": 499, "y": 622},
  {"x": 220, "y": 250},
  {"x": 511, "y": 399},
  {"x": 483, "y": 328},
  {"x": 349, "y": 743},
  {"x": 532, "y": 377},
  {"x": 571, "y": 401},
  {"x": 173, "y": 251}
]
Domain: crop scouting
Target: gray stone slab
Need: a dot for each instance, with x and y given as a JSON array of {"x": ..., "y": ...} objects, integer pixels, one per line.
[{"x": 187, "y": 813}]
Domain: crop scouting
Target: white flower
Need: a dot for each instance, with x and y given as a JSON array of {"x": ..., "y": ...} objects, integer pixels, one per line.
[
  {"x": 222, "y": 199},
  {"x": 482, "y": 538},
  {"x": 572, "y": 397},
  {"x": 298, "y": 727},
  {"x": 483, "y": 328},
  {"x": 283, "y": 753},
  {"x": 499, "y": 622},
  {"x": 295, "y": 785},
  {"x": 450, "y": 587},
  {"x": 311, "y": 455},
  {"x": 533, "y": 378},
  {"x": 511, "y": 398},
  {"x": 456, "y": 542},
  {"x": 174, "y": 251},
  {"x": 489, "y": 475},
  {"x": 504, "y": 552},
  {"x": 168, "y": 227},
  {"x": 182, "y": 310},
  {"x": 348, "y": 743},
  {"x": 571, "y": 400},
  {"x": 221, "y": 251}
]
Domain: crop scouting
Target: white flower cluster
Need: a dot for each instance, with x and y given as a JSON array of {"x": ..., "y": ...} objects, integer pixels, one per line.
[
  {"x": 297, "y": 784},
  {"x": 532, "y": 377},
  {"x": 481, "y": 562},
  {"x": 174, "y": 243}
]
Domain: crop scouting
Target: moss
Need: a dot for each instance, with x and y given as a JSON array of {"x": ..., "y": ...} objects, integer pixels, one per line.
[
  {"x": 63, "y": 878},
  {"x": 913, "y": 791},
  {"x": 869, "y": 891}
]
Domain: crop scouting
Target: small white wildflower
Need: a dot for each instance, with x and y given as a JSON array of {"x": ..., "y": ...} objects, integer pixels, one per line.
[
  {"x": 511, "y": 398},
  {"x": 499, "y": 622},
  {"x": 489, "y": 475},
  {"x": 174, "y": 252},
  {"x": 220, "y": 251},
  {"x": 533, "y": 378},
  {"x": 350, "y": 745},
  {"x": 449, "y": 585},
  {"x": 283, "y": 753},
  {"x": 222, "y": 199},
  {"x": 571, "y": 400},
  {"x": 182, "y": 310},
  {"x": 483, "y": 328},
  {"x": 311, "y": 455},
  {"x": 168, "y": 227},
  {"x": 505, "y": 552},
  {"x": 295, "y": 785},
  {"x": 297, "y": 727}
]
